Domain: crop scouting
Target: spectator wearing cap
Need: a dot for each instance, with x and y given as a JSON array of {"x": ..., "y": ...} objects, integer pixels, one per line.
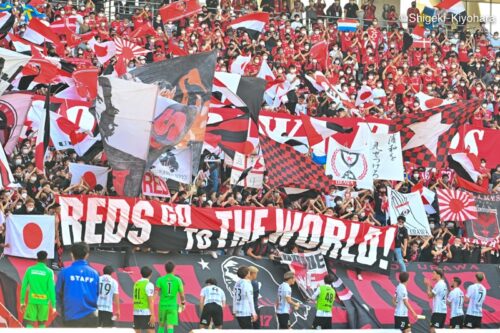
[{"x": 401, "y": 242}]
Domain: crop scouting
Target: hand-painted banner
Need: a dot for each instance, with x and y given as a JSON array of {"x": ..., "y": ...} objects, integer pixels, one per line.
[
  {"x": 386, "y": 154},
  {"x": 410, "y": 206},
  {"x": 309, "y": 268},
  {"x": 182, "y": 227}
]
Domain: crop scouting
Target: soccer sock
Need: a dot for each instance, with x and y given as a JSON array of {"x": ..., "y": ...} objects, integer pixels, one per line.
[
  {"x": 41, "y": 326},
  {"x": 161, "y": 329},
  {"x": 170, "y": 330},
  {"x": 29, "y": 325}
]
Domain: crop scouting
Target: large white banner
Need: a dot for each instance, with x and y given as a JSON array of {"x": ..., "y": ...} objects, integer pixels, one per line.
[
  {"x": 412, "y": 208},
  {"x": 345, "y": 164},
  {"x": 28, "y": 234},
  {"x": 255, "y": 177},
  {"x": 174, "y": 164},
  {"x": 386, "y": 153}
]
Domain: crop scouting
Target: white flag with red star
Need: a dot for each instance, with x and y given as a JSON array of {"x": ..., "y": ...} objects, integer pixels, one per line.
[{"x": 28, "y": 234}]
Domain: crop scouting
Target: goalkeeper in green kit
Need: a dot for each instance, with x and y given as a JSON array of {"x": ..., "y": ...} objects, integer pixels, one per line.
[
  {"x": 169, "y": 287},
  {"x": 38, "y": 281}
]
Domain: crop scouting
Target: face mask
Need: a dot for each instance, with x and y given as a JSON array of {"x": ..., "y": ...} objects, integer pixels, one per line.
[
  {"x": 338, "y": 203},
  {"x": 33, "y": 179},
  {"x": 239, "y": 197},
  {"x": 29, "y": 209},
  {"x": 25, "y": 151},
  {"x": 483, "y": 164},
  {"x": 18, "y": 162},
  {"x": 432, "y": 225},
  {"x": 18, "y": 206},
  {"x": 439, "y": 246}
]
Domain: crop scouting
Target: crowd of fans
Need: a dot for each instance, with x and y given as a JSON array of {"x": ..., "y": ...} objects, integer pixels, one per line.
[{"x": 459, "y": 64}]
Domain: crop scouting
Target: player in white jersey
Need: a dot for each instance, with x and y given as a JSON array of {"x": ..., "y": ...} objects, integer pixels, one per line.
[
  {"x": 476, "y": 294},
  {"x": 285, "y": 300},
  {"x": 108, "y": 302},
  {"x": 456, "y": 301},
  {"x": 212, "y": 301},
  {"x": 438, "y": 295},
  {"x": 400, "y": 301},
  {"x": 243, "y": 307}
]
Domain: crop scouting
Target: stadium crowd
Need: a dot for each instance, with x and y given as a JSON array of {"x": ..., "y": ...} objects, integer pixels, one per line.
[{"x": 459, "y": 64}]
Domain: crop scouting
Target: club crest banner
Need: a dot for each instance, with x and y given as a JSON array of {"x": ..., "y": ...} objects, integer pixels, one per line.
[{"x": 345, "y": 164}]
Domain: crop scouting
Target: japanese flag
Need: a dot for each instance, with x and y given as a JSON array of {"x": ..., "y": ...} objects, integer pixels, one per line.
[
  {"x": 28, "y": 234},
  {"x": 91, "y": 174},
  {"x": 365, "y": 95}
]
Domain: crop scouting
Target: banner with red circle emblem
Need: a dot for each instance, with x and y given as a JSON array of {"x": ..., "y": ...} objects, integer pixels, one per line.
[{"x": 28, "y": 234}]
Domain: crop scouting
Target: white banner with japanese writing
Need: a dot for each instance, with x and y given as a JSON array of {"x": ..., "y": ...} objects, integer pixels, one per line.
[
  {"x": 174, "y": 164},
  {"x": 410, "y": 206},
  {"x": 386, "y": 153}
]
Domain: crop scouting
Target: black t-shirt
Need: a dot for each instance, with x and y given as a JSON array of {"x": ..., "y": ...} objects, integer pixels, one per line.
[
  {"x": 457, "y": 254},
  {"x": 401, "y": 236}
]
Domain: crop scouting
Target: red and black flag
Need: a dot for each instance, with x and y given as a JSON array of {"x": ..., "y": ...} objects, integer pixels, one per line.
[
  {"x": 232, "y": 135},
  {"x": 187, "y": 81},
  {"x": 43, "y": 136},
  {"x": 426, "y": 137},
  {"x": 288, "y": 168},
  {"x": 485, "y": 227}
]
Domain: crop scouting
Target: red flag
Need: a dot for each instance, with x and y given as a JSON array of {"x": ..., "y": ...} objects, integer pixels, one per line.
[
  {"x": 178, "y": 10},
  {"x": 47, "y": 71},
  {"x": 470, "y": 186},
  {"x": 86, "y": 82},
  {"x": 120, "y": 66},
  {"x": 175, "y": 49},
  {"x": 103, "y": 51},
  {"x": 319, "y": 51},
  {"x": 38, "y": 33},
  {"x": 60, "y": 26},
  {"x": 144, "y": 30}
]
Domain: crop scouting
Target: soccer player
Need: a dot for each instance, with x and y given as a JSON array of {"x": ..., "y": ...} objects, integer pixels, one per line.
[
  {"x": 243, "y": 307},
  {"x": 254, "y": 271},
  {"x": 400, "y": 300},
  {"x": 212, "y": 301},
  {"x": 77, "y": 290},
  {"x": 285, "y": 300},
  {"x": 476, "y": 294},
  {"x": 144, "y": 291},
  {"x": 324, "y": 296},
  {"x": 108, "y": 302},
  {"x": 169, "y": 288},
  {"x": 39, "y": 282},
  {"x": 456, "y": 301},
  {"x": 438, "y": 295}
]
